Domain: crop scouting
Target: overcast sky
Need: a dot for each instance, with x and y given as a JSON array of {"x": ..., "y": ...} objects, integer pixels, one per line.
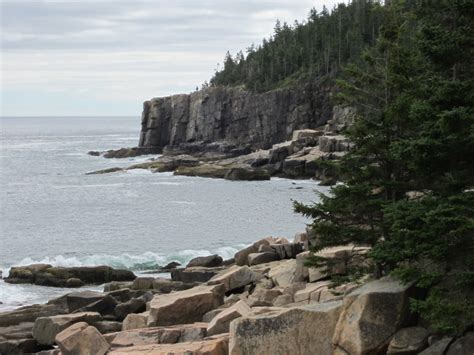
[{"x": 106, "y": 57}]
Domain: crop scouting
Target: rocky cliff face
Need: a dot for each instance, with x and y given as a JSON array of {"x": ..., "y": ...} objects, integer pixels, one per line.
[{"x": 233, "y": 115}]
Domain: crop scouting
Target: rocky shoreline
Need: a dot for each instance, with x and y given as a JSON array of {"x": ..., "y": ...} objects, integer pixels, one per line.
[
  {"x": 263, "y": 301},
  {"x": 296, "y": 158}
]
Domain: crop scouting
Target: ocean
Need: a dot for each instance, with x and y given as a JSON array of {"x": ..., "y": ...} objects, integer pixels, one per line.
[{"x": 51, "y": 212}]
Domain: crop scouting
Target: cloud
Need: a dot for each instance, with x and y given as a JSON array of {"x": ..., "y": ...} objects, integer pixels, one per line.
[{"x": 125, "y": 51}]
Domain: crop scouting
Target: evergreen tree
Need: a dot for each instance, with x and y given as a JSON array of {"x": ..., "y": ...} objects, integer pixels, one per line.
[{"x": 408, "y": 181}]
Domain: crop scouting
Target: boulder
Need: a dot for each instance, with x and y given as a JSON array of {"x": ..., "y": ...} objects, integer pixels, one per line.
[
  {"x": 301, "y": 270},
  {"x": 46, "y": 328},
  {"x": 19, "y": 347},
  {"x": 220, "y": 323},
  {"x": 81, "y": 338},
  {"x": 242, "y": 255},
  {"x": 235, "y": 277},
  {"x": 158, "y": 335},
  {"x": 171, "y": 265},
  {"x": 282, "y": 273},
  {"x": 372, "y": 314},
  {"x": 31, "y": 313},
  {"x": 334, "y": 143},
  {"x": 260, "y": 258},
  {"x": 294, "y": 168},
  {"x": 184, "y": 306},
  {"x": 243, "y": 173},
  {"x": 135, "y": 321},
  {"x": 206, "y": 261},
  {"x": 463, "y": 345},
  {"x": 194, "y": 274},
  {"x": 302, "y": 330},
  {"x": 300, "y": 238},
  {"x": 117, "y": 285},
  {"x": 306, "y": 133},
  {"x": 287, "y": 250},
  {"x": 217, "y": 345},
  {"x": 19, "y": 331},
  {"x": 408, "y": 341}
]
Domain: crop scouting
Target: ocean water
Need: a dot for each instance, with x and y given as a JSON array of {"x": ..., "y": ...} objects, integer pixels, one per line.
[{"x": 50, "y": 211}]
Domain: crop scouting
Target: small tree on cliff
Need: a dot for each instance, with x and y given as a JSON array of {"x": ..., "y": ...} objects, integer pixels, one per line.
[{"x": 408, "y": 181}]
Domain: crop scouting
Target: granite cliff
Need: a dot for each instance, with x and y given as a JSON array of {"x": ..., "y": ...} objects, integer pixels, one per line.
[{"x": 234, "y": 115}]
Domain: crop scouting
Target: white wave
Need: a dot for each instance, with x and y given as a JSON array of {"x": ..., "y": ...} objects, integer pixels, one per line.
[
  {"x": 145, "y": 261},
  {"x": 182, "y": 202},
  {"x": 138, "y": 172}
]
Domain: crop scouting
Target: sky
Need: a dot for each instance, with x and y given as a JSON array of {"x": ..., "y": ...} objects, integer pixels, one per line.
[{"x": 104, "y": 58}]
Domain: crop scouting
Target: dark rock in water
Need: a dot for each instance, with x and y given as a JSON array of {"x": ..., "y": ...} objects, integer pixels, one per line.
[
  {"x": 74, "y": 282},
  {"x": 228, "y": 262},
  {"x": 47, "y": 275},
  {"x": 194, "y": 274},
  {"x": 105, "y": 171},
  {"x": 130, "y": 152},
  {"x": 171, "y": 265},
  {"x": 94, "y": 153},
  {"x": 206, "y": 261},
  {"x": 248, "y": 174}
]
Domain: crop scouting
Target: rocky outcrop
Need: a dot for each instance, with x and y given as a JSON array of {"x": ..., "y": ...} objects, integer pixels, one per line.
[
  {"x": 48, "y": 275},
  {"x": 233, "y": 115},
  {"x": 80, "y": 338}
]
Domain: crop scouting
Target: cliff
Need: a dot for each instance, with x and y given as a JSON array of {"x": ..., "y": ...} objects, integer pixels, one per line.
[{"x": 233, "y": 115}]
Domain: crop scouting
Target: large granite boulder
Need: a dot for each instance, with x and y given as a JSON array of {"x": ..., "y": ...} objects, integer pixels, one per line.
[
  {"x": 372, "y": 314},
  {"x": 261, "y": 258},
  {"x": 46, "y": 328},
  {"x": 282, "y": 272},
  {"x": 216, "y": 345},
  {"x": 220, "y": 323},
  {"x": 184, "y": 306},
  {"x": 439, "y": 347},
  {"x": 463, "y": 345},
  {"x": 81, "y": 299},
  {"x": 81, "y": 338},
  {"x": 206, "y": 261},
  {"x": 302, "y": 330},
  {"x": 47, "y": 275},
  {"x": 235, "y": 277}
]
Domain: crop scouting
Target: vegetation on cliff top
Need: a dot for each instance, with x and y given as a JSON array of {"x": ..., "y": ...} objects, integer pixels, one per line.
[
  {"x": 318, "y": 46},
  {"x": 408, "y": 181}
]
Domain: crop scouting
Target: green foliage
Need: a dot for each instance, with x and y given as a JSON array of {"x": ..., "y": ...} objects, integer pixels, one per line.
[
  {"x": 318, "y": 46},
  {"x": 407, "y": 183}
]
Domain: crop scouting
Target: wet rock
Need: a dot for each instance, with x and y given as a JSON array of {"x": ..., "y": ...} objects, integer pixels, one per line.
[
  {"x": 130, "y": 152},
  {"x": 184, "y": 306},
  {"x": 47, "y": 275},
  {"x": 247, "y": 174},
  {"x": 105, "y": 171},
  {"x": 206, "y": 261},
  {"x": 204, "y": 170}
]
